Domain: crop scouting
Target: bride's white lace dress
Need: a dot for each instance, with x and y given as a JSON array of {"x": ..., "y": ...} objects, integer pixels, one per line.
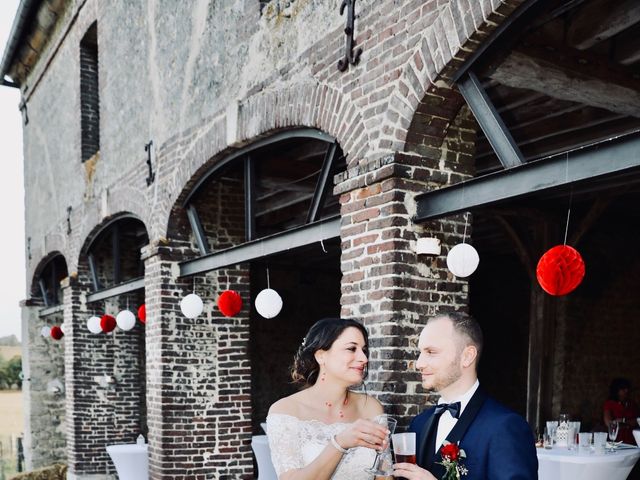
[{"x": 295, "y": 443}]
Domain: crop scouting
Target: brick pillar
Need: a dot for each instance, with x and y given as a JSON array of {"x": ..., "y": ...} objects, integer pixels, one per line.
[
  {"x": 199, "y": 377},
  {"x": 385, "y": 284},
  {"x": 102, "y": 373}
]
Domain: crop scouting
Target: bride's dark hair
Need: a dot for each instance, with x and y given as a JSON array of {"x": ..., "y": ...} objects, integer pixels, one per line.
[{"x": 321, "y": 336}]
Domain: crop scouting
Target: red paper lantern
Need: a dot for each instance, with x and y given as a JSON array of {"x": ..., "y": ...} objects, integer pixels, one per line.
[
  {"x": 229, "y": 303},
  {"x": 56, "y": 332},
  {"x": 107, "y": 323},
  {"x": 560, "y": 270},
  {"x": 142, "y": 313}
]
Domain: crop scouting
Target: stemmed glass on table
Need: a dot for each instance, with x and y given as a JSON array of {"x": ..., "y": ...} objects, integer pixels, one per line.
[
  {"x": 613, "y": 432},
  {"x": 383, "y": 463}
]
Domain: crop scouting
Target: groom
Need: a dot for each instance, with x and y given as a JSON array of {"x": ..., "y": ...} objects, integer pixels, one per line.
[{"x": 498, "y": 443}]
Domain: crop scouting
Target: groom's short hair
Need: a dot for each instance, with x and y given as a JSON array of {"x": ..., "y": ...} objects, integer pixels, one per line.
[{"x": 466, "y": 326}]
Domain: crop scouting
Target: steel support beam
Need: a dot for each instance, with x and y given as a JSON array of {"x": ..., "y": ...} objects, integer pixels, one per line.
[
  {"x": 490, "y": 121},
  {"x": 616, "y": 157},
  {"x": 121, "y": 289},
  {"x": 271, "y": 245},
  {"x": 43, "y": 292},
  {"x": 321, "y": 186},
  {"x": 196, "y": 228},
  {"x": 45, "y": 312},
  {"x": 94, "y": 272},
  {"x": 249, "y": 200}
]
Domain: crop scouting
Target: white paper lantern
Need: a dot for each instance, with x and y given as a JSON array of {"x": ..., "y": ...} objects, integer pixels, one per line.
[
  {"x": 191, "y": 305},
  {"x": 45, "y": 331},
  {"x": 268, "y": 303},
  {"x": 463, "y": 260},
  {"x": 93, "y": 324},
  {"x": 126, "y": 320}
]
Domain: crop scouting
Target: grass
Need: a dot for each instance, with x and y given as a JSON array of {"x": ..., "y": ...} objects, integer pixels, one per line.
[{"x": 11, "y": 426}]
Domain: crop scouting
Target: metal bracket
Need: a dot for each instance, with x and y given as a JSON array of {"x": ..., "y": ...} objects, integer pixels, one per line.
[
  {"x": 69, "y": 220},
  {"x": 350, "y": 57},
  {"x": 152, "y": 175}
]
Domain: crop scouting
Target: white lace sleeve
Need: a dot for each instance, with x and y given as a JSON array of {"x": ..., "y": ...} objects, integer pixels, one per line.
[{"x": 283, "y": 433}]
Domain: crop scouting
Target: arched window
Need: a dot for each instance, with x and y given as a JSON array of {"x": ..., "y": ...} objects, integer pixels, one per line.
[
  {"x": 46, "y": 284},
  {"x": 277, "y": 184},
  {"x": 114, "y": 254}
]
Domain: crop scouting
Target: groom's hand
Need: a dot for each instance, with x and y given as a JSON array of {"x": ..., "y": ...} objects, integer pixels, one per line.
[{"x": 411, "y": 472}]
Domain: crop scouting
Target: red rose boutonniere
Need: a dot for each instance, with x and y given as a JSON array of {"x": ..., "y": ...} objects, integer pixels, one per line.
[{"x": 452, "y": 456}]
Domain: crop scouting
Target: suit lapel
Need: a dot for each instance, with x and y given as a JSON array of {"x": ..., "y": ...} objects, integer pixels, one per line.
[{"x": 423, "y": 454}]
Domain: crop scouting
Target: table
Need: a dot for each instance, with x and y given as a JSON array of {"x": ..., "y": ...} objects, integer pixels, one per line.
[{"x": 562, "y": 464}]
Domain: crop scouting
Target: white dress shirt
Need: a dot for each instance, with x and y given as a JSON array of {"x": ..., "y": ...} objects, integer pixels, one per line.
[{"x": 447, "y": 422}]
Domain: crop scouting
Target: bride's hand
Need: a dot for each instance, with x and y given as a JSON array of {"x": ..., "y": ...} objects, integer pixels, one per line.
[{"x": 363, "y": 433}]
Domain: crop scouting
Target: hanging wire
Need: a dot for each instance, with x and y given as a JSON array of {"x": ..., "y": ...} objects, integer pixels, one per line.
[
  {"x": 566, "y": 179},
  {"x": 322, "y": 245},
  {"x": 268, "y": 282},
  {"x": 466, "y": 223}
]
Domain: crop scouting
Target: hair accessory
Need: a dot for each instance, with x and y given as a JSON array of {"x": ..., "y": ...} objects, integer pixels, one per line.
[
  {"x": 304, "y": 342},
  {"x": 337, "y": 446}
]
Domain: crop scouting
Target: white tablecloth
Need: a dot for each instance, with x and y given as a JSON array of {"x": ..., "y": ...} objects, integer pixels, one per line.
[{"x": 562, "y": 464}]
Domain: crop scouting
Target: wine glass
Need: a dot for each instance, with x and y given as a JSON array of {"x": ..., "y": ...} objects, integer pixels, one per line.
[
  {"x": 613, "y": 432},
  {"x": 383, "y": 463}
]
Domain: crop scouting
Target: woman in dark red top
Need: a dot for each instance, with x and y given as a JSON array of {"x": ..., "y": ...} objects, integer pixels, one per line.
[{"x": 620, "y": 407}]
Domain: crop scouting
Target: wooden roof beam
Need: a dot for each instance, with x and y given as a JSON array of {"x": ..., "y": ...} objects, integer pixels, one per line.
[
  {"x": 574, "y": 77},
  {"x": 600, "y": 20}
]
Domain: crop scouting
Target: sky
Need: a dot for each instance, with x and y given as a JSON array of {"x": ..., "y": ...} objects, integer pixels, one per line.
[{"x": 12, "y": 279}]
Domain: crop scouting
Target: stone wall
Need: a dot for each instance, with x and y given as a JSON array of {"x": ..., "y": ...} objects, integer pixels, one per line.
[{"x": 44, "y": 390}]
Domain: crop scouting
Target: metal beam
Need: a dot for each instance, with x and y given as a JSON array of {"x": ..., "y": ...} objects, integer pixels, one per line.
[
  {"x": 94, "y": 271},
  {"x": 617, "y": 157},
  {"x": 115, "y": 251},
  {"x": 249, "y": 199},
  {"x": 271, "y": 245},
  {"x": 198, "y": 231},
  {"x": 45, "y": 312},
  {"x": 321, "y": 185},
  {"x": 121, "y": 289},
  {"x": 43, "y": 292},
  {"x": 490, "y": 121}
]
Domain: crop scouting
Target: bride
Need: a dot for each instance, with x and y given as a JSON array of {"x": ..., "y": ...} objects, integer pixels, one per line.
[{"x": 323, "y": 432}]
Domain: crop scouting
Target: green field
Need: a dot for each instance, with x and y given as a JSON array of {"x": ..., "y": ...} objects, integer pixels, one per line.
[
  {"x": 9, "y": 352},
  {"x": 11, "y": 427}
]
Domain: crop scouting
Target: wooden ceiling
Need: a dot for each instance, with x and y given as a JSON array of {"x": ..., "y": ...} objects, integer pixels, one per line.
[{"x": 571, "y": 78}]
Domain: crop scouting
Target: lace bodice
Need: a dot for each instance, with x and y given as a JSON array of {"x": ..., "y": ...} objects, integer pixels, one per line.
[{"x": 295, "y": 443}]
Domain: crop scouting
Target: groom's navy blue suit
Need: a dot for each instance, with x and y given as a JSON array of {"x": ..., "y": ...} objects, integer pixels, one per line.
[{"x": 498, "y": 442}]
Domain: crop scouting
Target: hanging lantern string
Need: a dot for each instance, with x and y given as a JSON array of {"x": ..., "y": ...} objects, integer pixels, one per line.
[
  {"x": 466, "y": 222},
  {"x": 194, "y": 284},
  {"x": 566, "y": 228},
  {"x": 566, "y": 179},
  {"x": 268, "y": 284}
]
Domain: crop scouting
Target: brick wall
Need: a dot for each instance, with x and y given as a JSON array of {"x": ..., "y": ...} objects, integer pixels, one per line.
[
  {"x": 103, "y": 381},
  {"x": 385, "y": 283}
]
